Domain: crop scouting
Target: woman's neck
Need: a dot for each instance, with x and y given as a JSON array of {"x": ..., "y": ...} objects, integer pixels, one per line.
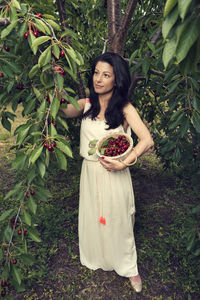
[{"x": 104, "y": 99}]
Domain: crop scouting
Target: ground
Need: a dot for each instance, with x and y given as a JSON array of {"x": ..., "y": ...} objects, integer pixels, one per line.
[{"x": 163, "y": 202}]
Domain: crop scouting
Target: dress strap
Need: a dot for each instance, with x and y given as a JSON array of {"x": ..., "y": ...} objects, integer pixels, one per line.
[{"x": 87, "y": 100}]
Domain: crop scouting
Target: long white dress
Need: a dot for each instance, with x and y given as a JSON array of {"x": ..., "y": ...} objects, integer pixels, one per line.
[{"x": 109, "y": 246}]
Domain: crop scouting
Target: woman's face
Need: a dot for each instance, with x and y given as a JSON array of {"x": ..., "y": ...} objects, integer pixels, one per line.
[{"x": 103, "y": 78}]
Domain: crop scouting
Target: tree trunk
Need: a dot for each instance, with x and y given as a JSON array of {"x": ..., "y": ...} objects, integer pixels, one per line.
[
  {"x": 114, "y": 21},
  {"x": 120, "y": 36}
]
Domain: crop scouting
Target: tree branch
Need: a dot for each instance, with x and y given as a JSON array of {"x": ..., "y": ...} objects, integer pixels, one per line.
[
  {"x": 114, "y": 20},
  {"x": 120, "y": 37}
]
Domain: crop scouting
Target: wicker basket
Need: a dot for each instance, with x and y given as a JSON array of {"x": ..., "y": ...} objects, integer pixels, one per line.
[{"x": 115, "y": 135}]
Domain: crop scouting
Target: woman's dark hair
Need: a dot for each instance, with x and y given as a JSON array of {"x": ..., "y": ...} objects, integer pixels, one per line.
[{"x": 114, "y": 112}]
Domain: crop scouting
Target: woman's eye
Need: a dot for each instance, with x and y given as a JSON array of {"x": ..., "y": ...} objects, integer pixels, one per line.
[{"x": 106, "y": 75}]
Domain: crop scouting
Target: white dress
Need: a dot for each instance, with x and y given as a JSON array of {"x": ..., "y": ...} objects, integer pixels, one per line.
[{"x": 109, "y": 246}]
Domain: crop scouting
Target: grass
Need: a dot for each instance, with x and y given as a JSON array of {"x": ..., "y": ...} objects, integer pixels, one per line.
[{"x": 163, "y": 203}]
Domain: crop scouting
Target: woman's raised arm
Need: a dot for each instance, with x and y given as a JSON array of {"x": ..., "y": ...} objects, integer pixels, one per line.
[{"x": 71, "y": 112}]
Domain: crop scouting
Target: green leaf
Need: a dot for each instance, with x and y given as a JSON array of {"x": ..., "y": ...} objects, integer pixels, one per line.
[
  {"x": 196, "y": 121},
  {"x": 6, "y": 124},
  {"x": 196, "y": 104},
  {"x": 133, "y": 55},
  {"x": 31, "y": 39},
  {"x": 169, "y": 22},
  {"x": 54, "y": 24},
  {"x": 169, "y": 51},
  {"x": 45, "y": 57},
  {"x": 63, "y": 123},
  {"x": 42, "y": 168},
  {"x": 92, "y": 151},
  {"x": 8, "y": 29},
  {"x": 5, "y": 214},
  {"x": 61, "y": 159},
  {"x": 59, "y": 81},
  {"x": 19, "y": 161},
  {"x": 29, "y": 106},
  {"x": 53, "y": 131},
  {"x": 145, "y": 66},
  {"x": 33, "y": 71},
  {"x": 56, "y": 51},
  {"x": 42, "y": 193},
  {"x": 187, "y": 39},
  {"x": 34, "y": 235},
  {"x": 23, "y": 28},
  {"x": 183, "y": 6},
  {"x": 35, "y": 154},
  {"x": 72, "y": 100},
  {"x": 41, "y": 40},
  {"x": 32, "y": 205},
  {"x": 42, "y": 26},
  {"x": 177, "y": 121},
  {"x": 16, "y": 4},
  {"x": 28, "y": 259},
  {"x": 168, "y": 6},
  {"x": 64, "y": 148},
  {"x": 14, "y": 191},
  {"x": 184, "y": 126},
  {"x": 55, "y": 107},
  {"x": 16, "y": 274},
  {"x": 73, "y": 55},
  {"x": 42, "y": 110},
  {"x": 27, "y": 217},
  {"x": 10, "y": 86},
  {"x": 7, "y": 233},
  {"x": 22, "y": 133}
]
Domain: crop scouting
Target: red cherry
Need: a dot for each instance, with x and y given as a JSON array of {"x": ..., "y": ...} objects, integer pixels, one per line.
[
  {"x": 8, "y": 9},
  {"x": 54, "y": 124},
  {"x": 27, "y": 195},
  {"x": 20, "y": 86},
  {"x": 12, "y": 221},
  {"x": 3, "y": 293},
  {"x": 39, "y": 15},
  {"x": 35, "y": 33},
  {"x": 19, "y": 232},
  {"x": 62, "y": 101},
  {"x": 48, "y": 98},
  {"x": 1, "y": 75},
  {"x": 32, "y": 192},
  {"x": 46, "y": 145},
  {"x": 62, "y": 53},
  {"x": 26, "y": 34},
  {"x": 25, "y": 232},
  {"x": 50, "y": 148},
  {"x": 14, "y": 261},
  {"x": 3, "y": 283},
  {"x": 7, "y": 48},
  {"x": 7, "y": 283},
  {"x": 53, "y": 144}
]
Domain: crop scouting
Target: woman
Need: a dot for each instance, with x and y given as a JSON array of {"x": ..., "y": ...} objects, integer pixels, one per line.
[{"x": 106, "y": 207}]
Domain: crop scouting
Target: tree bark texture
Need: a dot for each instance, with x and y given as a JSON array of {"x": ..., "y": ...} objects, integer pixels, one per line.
[
  {"x": 117, "y": 29},
  {"x": 114, "y": 20}
]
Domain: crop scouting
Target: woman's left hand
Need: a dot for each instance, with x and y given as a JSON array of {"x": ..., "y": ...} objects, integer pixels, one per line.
[{"x": 111, "y": 165}]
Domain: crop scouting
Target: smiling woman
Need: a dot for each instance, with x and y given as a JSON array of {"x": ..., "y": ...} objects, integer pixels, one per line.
[{"x": 107, "y": 207}]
